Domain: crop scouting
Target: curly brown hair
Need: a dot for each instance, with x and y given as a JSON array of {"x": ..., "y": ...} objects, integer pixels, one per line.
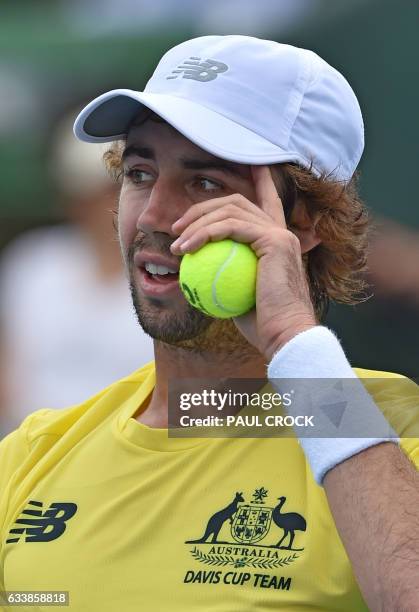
[{"x": 334, "y": 267}]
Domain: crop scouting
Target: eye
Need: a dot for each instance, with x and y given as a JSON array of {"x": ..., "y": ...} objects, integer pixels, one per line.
[
  {"x": 137, "y": 176},
  {"x": 207, "y": 184}
]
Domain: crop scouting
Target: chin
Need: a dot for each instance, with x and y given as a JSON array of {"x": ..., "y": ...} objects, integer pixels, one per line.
[
  {"x": 182, "y": 326},
  {"x": 170, "y": 324}
]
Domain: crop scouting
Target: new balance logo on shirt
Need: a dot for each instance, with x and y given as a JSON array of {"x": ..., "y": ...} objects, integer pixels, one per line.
[
  {"x": 199, "y": 70},
  {"x": 38, "y": 526}
]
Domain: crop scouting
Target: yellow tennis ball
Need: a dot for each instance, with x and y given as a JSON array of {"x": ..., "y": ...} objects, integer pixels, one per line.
[{"x": 220, "y": 278}]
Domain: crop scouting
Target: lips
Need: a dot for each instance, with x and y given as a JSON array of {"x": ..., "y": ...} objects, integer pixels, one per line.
[{"x": 157, "y": 285}]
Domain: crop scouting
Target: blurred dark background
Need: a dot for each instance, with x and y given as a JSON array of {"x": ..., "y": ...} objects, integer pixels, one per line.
[{"x": 56, "y": 55}]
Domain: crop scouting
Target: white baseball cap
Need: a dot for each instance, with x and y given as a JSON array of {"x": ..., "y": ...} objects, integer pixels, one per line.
[{"x": 246, "y": 100}]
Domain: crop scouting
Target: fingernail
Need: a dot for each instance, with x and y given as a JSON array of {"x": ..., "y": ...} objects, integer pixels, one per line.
[{"x": 184, "y": 246}]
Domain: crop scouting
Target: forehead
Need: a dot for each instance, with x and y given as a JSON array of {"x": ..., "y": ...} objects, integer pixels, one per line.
[{"x": 160, "y": 141}]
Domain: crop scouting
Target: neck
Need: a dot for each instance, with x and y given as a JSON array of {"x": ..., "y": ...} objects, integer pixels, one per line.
[{"x": 175, "y": 363}]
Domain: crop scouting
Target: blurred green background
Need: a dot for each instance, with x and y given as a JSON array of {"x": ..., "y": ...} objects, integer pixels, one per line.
[{"x": 56, "y": 55}]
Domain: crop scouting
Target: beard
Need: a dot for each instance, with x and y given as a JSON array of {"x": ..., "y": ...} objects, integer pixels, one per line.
[{"x": 181, "y": 326}]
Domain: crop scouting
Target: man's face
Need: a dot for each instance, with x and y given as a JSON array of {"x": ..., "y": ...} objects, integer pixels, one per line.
[{"x": 165, "y": 174}]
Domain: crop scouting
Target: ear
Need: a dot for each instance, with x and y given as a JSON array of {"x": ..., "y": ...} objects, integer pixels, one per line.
[{"x": 304, "y": 227}]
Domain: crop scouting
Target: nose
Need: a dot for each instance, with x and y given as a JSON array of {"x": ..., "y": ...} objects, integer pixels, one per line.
[{"x": 165, "y": 204}]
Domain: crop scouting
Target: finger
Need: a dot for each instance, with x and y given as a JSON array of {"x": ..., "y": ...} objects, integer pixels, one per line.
[
  {"x": 228, "y": 212},
  {"x": 240, "y": 230},
  {"x": 202, "y": 209},
  {"x": 266, "y": 194}
]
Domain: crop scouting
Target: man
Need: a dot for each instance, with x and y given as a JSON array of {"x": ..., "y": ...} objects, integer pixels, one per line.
[{"x": 97, "y": 500}]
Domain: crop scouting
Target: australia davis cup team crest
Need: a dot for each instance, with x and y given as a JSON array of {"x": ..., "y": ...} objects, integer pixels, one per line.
[{"x": 251, "y": 533}]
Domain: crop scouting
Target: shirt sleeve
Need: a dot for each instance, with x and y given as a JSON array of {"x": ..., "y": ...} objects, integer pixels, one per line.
[{"x": 14, "y": 449}]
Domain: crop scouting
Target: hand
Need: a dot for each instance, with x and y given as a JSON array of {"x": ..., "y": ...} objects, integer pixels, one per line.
[{"x": 283, "y": 305}]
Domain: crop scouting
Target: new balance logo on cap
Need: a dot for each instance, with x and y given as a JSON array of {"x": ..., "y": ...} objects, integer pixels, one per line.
[
  {"x": 199, "y": 70},
  {"x": 43, "y": 527}
]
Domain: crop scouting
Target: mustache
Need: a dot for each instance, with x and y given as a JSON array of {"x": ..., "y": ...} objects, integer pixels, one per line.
[{"x": 158, "y": 242}]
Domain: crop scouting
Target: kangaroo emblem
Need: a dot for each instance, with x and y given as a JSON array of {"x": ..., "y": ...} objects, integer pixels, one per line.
[{"x": 218, "y": 519}]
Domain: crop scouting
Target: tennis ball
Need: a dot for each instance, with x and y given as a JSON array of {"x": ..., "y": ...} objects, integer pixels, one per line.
[{"x": 220, "y": 278}]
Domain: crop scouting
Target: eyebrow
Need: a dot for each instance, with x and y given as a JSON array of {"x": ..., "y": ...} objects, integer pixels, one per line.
[{"x": 213, "y": 163}]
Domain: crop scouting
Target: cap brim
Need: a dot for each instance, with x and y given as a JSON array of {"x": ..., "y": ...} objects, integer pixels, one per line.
[{"x": 109, "y": 116}]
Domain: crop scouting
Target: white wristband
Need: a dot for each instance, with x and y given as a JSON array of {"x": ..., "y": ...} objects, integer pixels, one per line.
[{"x": 317, "y": 354}]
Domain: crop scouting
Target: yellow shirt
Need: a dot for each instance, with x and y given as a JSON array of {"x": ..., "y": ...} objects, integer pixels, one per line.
[{"x": 125, "y": 518}]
